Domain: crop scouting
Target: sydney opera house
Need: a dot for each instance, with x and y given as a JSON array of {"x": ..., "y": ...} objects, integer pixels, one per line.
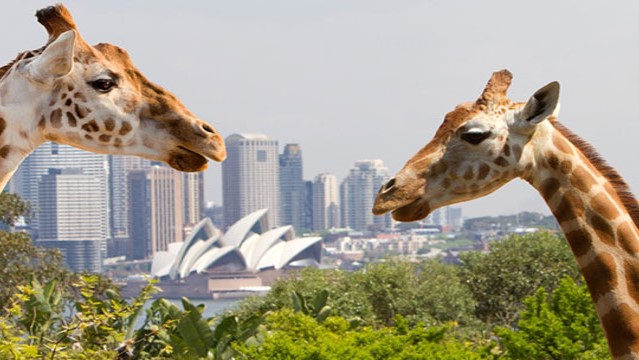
[{"x": 210, "y": 261}]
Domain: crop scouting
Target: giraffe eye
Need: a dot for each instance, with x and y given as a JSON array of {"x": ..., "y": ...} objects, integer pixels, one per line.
[
  {"x": 475, "y": 137},
  {"x": 103, "y": 85}
]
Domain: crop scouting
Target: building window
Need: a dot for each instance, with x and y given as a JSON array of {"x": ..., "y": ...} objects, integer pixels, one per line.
[{"x": 261, "y": 155}]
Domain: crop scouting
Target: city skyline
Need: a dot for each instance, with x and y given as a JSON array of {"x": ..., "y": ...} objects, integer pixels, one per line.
[{"x": 358, "y": 79}]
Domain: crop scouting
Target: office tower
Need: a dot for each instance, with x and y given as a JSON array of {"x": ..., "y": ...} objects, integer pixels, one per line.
[
  {"x": 358, "y": 191},
  {"x": 118, "y": 196},
  {"x": 325, "y": 202},
  {"x": 292, "y": 187},
  {"x": 71, "y": 217},
  {"x": 156, "y": 205},
  {"x": 51, "y": 155},
  {"x": 250, "y": 177},
  {"x": 193, "y": 197},
  {"x": 448, "y": 217}
]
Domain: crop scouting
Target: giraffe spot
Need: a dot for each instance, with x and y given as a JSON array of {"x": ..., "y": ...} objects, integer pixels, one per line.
[
  {"x": 68, "y": 102},
  {"x": 80, "y": 96},
  {"x": 126, "y": 127},
  {"x": 621, "y": 331},
  {"x": 24, "y": 134},
  {"x": 446, "y": 183},
  {"x": 601, "y": 204},
  {"x": 4, "y": 151},
  {"x": 3, "y": 125},
  {"x": 109, "y": 124},
  {"x": 552, "y": 160},
  {"x": 64, "y": 96},
  {"x": 580, "y": 241},
  {"x": 632, "y": 278},
  {"x": 548, "y": 188},
  {"x": 81, "y": 111},
  {"x": 438, "y": 168},
  {"x": 603, "y": 229},
  {"x": 130, "y": 106},
  {"x": 570, "y": 207},
  {"x": 565, "y": 166},
  {"x": 506, "y": 150},
  {"x": 562, "y": 144},
  {"x": 105, "y": 138},
  {"x": 484, "y": 169},
  {"x": 88, "y": 137},
  {"x": 42, "y": 123},
  {"x": 601, "y": 275},
  {"x": 582, "y": 180},
  {"x": 117, "y": 142},
  {"x": 469, "y": 173},
  {"x": 627, "y": 239},
  {"x": 91, "y": 126},
  {"x": 71, "y": 120},
  {"x": 501, "y": 161},
  {"x": 52, "y": 101},
  {"x": 70, "y": 87},
  {"x": 56, "y": 118},
  {"x": 517, "y": 151}
]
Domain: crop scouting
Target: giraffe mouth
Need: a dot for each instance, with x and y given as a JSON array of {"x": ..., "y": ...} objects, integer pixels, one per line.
[
  {"x": 415, "y": 210},
  {"x": 186, "y": 160}
]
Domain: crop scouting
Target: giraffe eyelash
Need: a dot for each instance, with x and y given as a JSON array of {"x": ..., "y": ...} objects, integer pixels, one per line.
[{"x": 474, "y": 137}]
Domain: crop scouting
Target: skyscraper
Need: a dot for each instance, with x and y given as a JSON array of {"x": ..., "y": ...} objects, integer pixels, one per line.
[
  {"x": 250, "y": 177},
  {"x": 71, "y": 217},
  {"x": 51, "y": 155},
  {"x": 193, "y": 197},
  {"x": 325, "y": 202},
  {"x": 156, "y": 205},
  {"x": 358, "y": 191},
  {"x": 292, "y": 187},
  {"x": 118, "y": 191}
]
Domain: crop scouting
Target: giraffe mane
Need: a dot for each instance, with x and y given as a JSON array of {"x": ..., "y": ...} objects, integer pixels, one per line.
[{"x": 627, "y": 198}]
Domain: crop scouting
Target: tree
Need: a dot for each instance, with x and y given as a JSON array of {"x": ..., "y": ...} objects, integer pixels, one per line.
[
  {"x": 513, "y": 270},
  {"x": 561, "y": 326}
]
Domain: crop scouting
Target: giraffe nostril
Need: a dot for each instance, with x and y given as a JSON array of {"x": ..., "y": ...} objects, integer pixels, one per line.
[
  {"x": 388, "y": 186},
  {"x": 208, "y": 129}
]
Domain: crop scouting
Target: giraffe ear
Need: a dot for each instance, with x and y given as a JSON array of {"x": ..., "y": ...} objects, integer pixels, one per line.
[
  {"x": 56, "y": 60},
  {"x": 542, "y": 104}
]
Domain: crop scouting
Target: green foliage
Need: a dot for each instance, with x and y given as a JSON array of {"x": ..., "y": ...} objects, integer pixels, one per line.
[
  {"x": 12, "y": 207},
  {"x": 513, "y": 270},
  {"x": 564, "y": 326},
  {"x": 428, "y": 292},
  {"x": 316, "y": 308},
  {"x": 293, "y": 335}
]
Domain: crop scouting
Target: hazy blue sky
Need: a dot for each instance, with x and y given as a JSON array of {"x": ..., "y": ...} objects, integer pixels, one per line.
[{"x": 363, "y": 79}]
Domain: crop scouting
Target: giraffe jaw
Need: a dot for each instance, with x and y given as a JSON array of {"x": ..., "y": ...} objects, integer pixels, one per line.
[
  {"x": 183, "y": 159},
  {"x": 406, "y": 211}
]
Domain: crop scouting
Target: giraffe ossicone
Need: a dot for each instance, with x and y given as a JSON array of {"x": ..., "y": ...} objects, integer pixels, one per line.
[
  {"x": 94, "y": 98},
  {"x": 482, "y": 145}
]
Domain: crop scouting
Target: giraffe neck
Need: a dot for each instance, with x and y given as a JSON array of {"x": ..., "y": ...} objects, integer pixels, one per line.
[
  {"x": 602, "y": 234},
  {"x": 19, "y": 133}
]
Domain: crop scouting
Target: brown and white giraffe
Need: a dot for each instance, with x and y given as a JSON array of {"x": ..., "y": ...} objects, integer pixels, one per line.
[
  {"x": 94, "y": 98},
  {"x": 484, "y": 144}
]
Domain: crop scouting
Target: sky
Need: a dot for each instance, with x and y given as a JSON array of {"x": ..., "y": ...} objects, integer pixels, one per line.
[{"x": 366, "y": 79}]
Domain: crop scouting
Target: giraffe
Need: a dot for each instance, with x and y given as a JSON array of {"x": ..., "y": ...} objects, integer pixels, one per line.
[
  {"x": 482, "y": 145},
  {"x": 95, "y": 99}
]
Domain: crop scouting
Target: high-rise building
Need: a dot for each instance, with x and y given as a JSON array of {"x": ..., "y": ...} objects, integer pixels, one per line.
[
  {"x": 193, "y": 198},
  {"x": 358, "y": 191},
  {"x": 250, "y": 177},
  {"x": 118, "y": 191},
  {"x": 71, "y": 206},
  {"x": 325, "y": 202},
  {"x": 292, "y": 187},
  {"x": 156, "y": 205},
  {"x": 71, "y": 217},
  {"x": 51, "y": 155}
]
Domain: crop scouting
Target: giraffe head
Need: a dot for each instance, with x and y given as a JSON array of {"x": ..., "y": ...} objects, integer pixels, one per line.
[
  {"x": 94, "y": 98},
  {"x": 480, "y": 146}
]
